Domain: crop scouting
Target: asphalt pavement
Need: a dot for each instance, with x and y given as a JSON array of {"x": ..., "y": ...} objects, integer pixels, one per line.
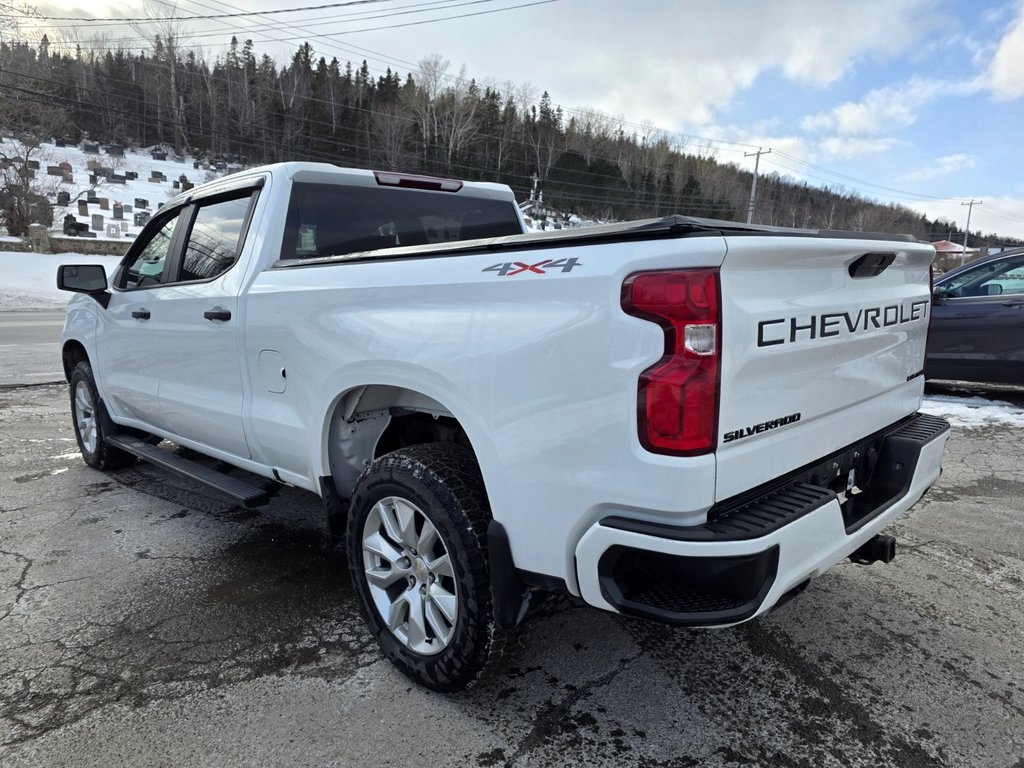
[
  {"x": 30, "y": 347},
  {"x": 144, "y": 622}
]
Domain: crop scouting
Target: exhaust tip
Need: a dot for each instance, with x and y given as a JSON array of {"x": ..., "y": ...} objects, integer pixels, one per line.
[{"x": 877, "y": 549}]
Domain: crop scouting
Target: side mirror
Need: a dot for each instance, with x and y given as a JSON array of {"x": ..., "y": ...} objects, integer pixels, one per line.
[
  {"x": 90, "y": 279},
  {"x": 939, "y": 295},
  {"x": 993, "y": 289}
]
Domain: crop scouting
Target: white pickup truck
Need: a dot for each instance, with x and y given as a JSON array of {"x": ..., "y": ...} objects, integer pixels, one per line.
[{"x": 678, "y": 419}]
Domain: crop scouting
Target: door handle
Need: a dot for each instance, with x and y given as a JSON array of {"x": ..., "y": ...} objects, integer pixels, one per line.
[
  {"x": 140, "y": 314},
  {"x": 217, "y": 314},
  {"x": 1018, "y": 304}
]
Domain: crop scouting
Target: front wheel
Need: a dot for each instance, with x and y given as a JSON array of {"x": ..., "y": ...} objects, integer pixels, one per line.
[
  {"x": 418, "y": 559},
  {"x": 89, "y": 422}
]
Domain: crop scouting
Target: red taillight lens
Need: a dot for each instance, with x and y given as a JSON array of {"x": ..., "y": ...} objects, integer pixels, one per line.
[{"x": 678, "y": 395}]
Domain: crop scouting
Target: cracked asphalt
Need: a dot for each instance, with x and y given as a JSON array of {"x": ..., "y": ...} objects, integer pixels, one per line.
[{"x": 145, "y": 623}]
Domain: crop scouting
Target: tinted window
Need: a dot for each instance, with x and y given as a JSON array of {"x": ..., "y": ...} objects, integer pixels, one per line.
[
  {"x": 996, "y": 278},
  {"x": 329, "y": 219},
  {"x": 147, "y": 269},
  {"x": 213, "y": 243}
]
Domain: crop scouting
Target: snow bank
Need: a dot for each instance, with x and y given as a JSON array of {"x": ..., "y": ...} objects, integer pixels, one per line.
[
  {"x": 29, "y": 280},
  {"x": 974, "y": 412}
]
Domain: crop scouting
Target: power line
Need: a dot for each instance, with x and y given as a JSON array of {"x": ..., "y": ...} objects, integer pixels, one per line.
[
  {"x": 318, "y": 35},
  {"x": 121, "y": 19},
  {"x": 521, "y": 143},
  {"x": 403, "y": 10}
]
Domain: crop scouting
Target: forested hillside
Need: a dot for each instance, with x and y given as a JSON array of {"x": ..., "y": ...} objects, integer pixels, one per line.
[{"x": 248, "y": 106}]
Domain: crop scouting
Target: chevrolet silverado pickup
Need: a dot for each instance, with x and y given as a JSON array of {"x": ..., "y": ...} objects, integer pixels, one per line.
[{"x": 678, "y": 419}]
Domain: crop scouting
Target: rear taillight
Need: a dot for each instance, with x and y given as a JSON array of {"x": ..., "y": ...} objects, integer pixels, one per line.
[{"x": 678, "y": 395}]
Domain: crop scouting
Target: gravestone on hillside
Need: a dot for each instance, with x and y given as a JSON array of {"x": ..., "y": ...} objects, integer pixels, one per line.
[
  {"x": 141, "y": 218},
  {"x": 115, "y": 150},
  {"x": 97, "y": 222},
  {"x": 63, "y": 198},
  {"x": 141, "y": 202},
  {"x": 113, "y": 230},
  {"x": 159, "y": 155},
  {"x": 104, "y": 203},
  {"x": 83, "y": 208},
  {"x": 66, "y": 167},
  {"x": 70, "y": 225},
  {"x": 92, "y": 149},
  {"x": 118, "y": 211},
  {"x": 54, "y": 170}
]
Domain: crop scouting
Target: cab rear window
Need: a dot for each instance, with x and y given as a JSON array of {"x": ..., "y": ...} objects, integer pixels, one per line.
[{"x": 332, "y": 220}]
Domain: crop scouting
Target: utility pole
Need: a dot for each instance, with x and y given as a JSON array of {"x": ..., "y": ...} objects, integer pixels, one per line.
[
  {"x": 753, "y": 182},
  {"x": 967, "y": 229}
]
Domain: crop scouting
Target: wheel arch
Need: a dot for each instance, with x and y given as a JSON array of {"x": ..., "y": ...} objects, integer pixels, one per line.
[
  {"x": 72, "y": 353},
  {"x": 370, "y": 420}
]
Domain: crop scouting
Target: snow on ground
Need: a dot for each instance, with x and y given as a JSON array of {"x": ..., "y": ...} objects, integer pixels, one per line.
[
  {"x": 29, "y": 280},
  {"x": 974, "y": 412}
]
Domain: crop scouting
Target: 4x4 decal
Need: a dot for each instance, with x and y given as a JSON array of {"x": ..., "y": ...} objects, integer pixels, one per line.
[{"x": 513, "y": 268}]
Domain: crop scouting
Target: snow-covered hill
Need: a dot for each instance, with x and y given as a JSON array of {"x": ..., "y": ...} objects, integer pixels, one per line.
[{"x": 138, "y": 162}]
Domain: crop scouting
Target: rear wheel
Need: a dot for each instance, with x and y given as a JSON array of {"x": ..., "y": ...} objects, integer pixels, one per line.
[
  {"x": 90, "y": 422},
  {"x": 417, "y": 555}
]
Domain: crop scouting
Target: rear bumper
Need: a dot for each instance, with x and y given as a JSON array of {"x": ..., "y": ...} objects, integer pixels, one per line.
[{"x": 762, "y": 547}]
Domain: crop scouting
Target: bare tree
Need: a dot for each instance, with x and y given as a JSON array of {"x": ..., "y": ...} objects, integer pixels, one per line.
[
  {"x": 456, "y": 110},
  {"x": 391, "y": 125}
]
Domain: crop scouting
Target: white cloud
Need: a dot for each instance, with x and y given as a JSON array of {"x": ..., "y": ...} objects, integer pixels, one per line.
[
  {"x": 941, "y": 166},
  {"x": 853, "y": 146},
  {"x": 1006, "y": 72},
  {"x": 694, "y": 59},
  {"x": 885, "y": 109}
]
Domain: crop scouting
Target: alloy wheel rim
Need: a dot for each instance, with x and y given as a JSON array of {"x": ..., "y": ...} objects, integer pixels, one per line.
[
  {"x": 410, "y": 577},
  {"x": 85, "y": 418}
]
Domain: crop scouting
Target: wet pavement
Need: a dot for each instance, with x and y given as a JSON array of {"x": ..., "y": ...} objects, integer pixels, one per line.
[{"x": 146, "y": 623}]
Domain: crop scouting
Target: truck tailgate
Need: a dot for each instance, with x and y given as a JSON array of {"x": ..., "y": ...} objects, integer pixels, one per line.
[{"x": 823, "y": 343}]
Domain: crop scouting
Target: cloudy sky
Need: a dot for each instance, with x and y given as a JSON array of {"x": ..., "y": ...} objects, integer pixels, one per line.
[{"x": 916, "y": 101}]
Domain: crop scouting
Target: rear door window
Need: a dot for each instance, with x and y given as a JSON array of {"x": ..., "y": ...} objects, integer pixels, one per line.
[{"x": 215, "y": 237}]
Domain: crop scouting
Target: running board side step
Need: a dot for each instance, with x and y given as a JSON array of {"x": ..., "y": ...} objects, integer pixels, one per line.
[{"x": 240, "y": 491}]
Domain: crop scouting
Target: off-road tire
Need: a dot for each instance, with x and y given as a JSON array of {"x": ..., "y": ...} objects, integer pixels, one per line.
[
  {"x": 99, "y": 455},
  {"x": 444, "y": 482}
]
